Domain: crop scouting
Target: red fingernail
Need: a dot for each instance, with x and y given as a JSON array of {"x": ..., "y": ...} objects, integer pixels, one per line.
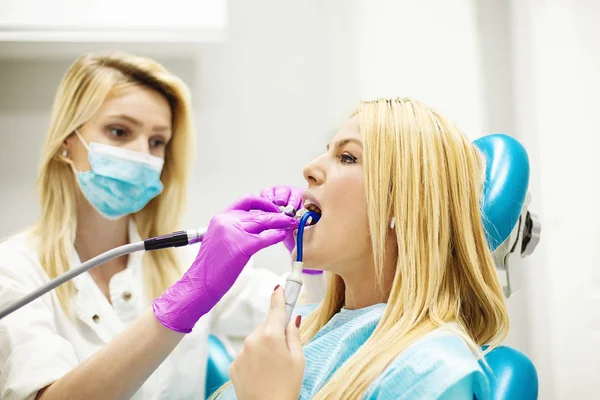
[
  {"x": 298, "y": 320},
  {"x": 276, "y": 287}
]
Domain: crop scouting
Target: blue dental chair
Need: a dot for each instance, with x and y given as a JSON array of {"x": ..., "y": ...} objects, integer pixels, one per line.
[{"x": 511, "y": 229}]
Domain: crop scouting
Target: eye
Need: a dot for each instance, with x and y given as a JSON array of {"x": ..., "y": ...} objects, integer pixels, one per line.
[
  {"x": 117, "y": 132},
  {"x": 157, "y": 142},
  {"x": 347, "y": 158}
]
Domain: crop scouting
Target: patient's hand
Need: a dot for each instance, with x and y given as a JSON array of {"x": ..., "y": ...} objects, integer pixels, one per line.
[{"x": 271, "y": 364}]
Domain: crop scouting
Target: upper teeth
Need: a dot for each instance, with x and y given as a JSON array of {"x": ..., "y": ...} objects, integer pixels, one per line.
[
  {"x": 308, "y": 202},
  {"x": 310, "y": 205}
]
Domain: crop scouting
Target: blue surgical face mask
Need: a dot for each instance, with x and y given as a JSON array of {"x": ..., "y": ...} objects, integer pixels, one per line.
[{"x": 120, "y": 181}]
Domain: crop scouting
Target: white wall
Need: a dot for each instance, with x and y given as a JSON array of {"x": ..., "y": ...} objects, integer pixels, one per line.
[
  {"x": 557, "y": 59},
  {"x": 427, "y": 50}
]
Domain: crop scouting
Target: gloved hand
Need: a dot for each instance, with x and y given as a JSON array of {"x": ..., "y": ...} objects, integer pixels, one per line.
[
  {"x": 285, "y": 195},
  {"x": 233, "y": 236}
]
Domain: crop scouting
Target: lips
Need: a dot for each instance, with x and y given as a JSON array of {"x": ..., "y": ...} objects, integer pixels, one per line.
[
  {"x": 309, "y": 203},
  {"x": 310, "y": 206}
]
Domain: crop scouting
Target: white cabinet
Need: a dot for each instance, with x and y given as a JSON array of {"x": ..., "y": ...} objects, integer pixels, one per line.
[
  {"x": 43, "y": 27},
  {"x": 112, "y": 20}
]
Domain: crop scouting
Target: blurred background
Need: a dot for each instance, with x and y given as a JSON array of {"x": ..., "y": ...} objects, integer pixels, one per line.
[{"x": 272, "y": 80}]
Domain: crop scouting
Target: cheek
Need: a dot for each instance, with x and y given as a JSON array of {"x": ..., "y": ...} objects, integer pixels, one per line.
[
  {"x": 347, "y": 195},
  {"x": 347, "y": 205},
  {"x": 78, "y": 154}
]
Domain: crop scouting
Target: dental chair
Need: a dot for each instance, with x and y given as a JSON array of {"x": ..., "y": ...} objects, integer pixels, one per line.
[
  {"x": 511, "y": 230},
  {"x": 217, "y": 368}
]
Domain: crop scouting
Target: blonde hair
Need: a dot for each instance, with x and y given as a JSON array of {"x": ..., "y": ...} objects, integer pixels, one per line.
[
  {"x": 83, "y": 90},
  {"x": 422, "y": 170}
]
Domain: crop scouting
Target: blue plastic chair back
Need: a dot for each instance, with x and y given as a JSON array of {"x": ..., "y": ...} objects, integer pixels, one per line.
[
  {"x": 506, "y": 184},
  {"x": 512, "y": 375},
  {"x": 217, "y": 368}
]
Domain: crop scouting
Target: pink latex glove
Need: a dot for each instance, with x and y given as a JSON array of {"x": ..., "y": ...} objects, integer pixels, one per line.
[
  {"x": 285, "y": 195},
  {"x": 233, "y": 236}
]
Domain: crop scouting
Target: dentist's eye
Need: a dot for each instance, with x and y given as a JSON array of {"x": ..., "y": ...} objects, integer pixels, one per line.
[
  {"x": 157, "y": 143},
  {"x": 117, "y": 132},
  {"x": 346, "y": 158}
]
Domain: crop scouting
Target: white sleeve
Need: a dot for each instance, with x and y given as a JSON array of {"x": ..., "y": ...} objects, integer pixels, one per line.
[
  {"x": 246, "y": 304},
  {"x": 32, "y": 353}
]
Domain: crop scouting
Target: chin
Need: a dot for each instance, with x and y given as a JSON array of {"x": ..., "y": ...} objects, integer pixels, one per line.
[{"x": 316, "y": 252}]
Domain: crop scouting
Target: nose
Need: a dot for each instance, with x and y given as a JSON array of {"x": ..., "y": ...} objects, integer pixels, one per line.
[
  {"x": 140, "y": 144},
  {"x": 314, "y": 172}
]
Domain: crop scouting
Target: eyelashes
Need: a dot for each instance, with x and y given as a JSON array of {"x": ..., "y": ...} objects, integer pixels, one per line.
[
  {"x": 157, "y": 143},
  {"x": 116, "y": 132},
  {"x": 347, "y": 158},
  {"x": 120, "y": 133}
]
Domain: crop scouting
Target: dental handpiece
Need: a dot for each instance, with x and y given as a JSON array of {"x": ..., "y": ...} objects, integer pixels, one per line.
[
  {"x": 293, "y": 283},
  {"x": 175, "y": 239}
]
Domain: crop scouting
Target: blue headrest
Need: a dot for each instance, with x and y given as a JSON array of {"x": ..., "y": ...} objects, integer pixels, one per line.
[
  {"x": 512, "y": 375},
  {"x": 506, "y": 184}
]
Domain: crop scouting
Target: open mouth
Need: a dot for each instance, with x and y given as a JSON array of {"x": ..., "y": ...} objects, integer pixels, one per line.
[{"x": 309, "y": 206}]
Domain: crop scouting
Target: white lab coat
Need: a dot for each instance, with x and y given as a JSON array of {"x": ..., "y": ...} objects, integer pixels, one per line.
[{"x": 40, "y": 343}]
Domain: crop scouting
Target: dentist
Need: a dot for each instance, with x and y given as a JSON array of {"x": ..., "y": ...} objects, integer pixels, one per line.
[{"x": 114, "y": 168}]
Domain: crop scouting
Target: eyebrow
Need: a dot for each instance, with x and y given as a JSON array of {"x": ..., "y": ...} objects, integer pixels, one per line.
[
  {"x": 137, "y": 122},
  {"x": 341, "y": 143},
  {"x": 127, "y": 118}
]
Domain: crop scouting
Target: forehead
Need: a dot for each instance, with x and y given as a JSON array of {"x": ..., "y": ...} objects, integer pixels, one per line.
[
  {"x": 143, "y": 104},
  {"x": 350, "y": 130}
]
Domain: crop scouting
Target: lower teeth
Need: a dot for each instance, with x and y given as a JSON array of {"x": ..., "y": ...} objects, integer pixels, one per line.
[{"x": 301, "y": 213}]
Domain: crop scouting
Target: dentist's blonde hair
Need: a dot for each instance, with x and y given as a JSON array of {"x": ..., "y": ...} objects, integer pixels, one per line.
[
  {"x": 83, "y": 90},
  {"x": 422, "y": 170}
]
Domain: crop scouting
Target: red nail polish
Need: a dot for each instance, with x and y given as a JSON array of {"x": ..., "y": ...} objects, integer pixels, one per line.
[
  {"x": 276, "y": 287},
  {"x": 298, "y": 320}
]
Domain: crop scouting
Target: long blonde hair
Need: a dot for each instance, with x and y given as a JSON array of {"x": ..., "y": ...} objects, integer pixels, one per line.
[
  {"x": 420, "y": 169},
  {"x": 83, "y": 90}
]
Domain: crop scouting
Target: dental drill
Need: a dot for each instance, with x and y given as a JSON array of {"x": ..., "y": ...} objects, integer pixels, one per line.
[
  {"x": 175, "y": 239},
  {"x": 293, "y": 283}
]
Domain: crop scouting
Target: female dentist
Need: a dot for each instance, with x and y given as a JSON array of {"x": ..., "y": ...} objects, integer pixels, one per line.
[{"x": 114, "y": 168}]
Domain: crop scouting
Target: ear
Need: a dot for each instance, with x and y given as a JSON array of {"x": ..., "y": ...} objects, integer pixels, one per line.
[{"x": 64, "y": 148}]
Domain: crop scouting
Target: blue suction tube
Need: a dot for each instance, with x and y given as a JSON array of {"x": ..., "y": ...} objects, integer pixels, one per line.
[{"x": 300, "y": 235}]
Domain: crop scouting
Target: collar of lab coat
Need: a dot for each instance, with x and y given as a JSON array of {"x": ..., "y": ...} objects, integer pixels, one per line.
[{"x": 90, "y": 305}]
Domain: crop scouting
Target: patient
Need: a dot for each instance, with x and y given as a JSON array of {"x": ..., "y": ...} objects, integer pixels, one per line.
[{"x": 412, "y": 289}]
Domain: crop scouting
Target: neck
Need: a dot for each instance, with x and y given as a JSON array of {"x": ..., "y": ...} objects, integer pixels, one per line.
[
  {"x": 96, "y": 234},
  {"x": 362, "y": 289}
]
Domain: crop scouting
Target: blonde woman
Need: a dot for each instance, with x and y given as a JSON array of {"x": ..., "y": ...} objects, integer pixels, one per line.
[
  {"x": 114, "y": 168},
  {"x": 412, "y": 289}
]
